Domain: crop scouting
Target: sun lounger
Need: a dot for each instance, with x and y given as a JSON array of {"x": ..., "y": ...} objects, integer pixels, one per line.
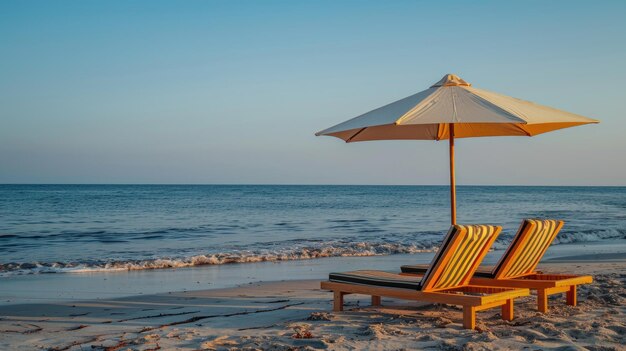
[
  {"x": 517, "y": 267},
  {"x": 446, "y": 280}
]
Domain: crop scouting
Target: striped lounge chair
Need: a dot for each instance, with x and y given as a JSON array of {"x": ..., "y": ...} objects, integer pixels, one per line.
[
  {"x": 445, "y": 281},
  {"x": 518, "y": 266}
]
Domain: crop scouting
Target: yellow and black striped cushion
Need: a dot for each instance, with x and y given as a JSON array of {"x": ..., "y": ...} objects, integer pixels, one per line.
[
  {"x": 528, "y": 253},
  {"x": 523, "y": 230},
  {"x": 526, "y": 228},
  {"x": 378, "y": 278},
  {"x": 461, "y": 264},
  {"x": 450, "y": 237}
]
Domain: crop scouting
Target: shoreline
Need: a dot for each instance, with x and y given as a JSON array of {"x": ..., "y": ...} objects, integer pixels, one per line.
[{"x": 115, "y": 284}]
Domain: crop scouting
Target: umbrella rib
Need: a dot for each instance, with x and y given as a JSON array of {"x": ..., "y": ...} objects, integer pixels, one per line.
[
  {"x": 521, "y": 127},
  {"x": 355, "y": 134},
  {"x": 438, "y": 136}
]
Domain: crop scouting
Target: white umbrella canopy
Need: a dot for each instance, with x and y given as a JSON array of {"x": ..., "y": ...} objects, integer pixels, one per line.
[
  {"x": 474, "y": 113},
  {"x": 452, "y": 108}
]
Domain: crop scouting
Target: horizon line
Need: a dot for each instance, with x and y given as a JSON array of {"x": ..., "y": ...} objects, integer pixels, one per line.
[{"x": 303, "y": 184}]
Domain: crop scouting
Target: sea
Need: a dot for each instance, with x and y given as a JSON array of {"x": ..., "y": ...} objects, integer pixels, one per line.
[{"x": 92, "y": 228}]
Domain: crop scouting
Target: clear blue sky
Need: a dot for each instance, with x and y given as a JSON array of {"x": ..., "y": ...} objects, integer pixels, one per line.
[{"x": 233, "y": 91}]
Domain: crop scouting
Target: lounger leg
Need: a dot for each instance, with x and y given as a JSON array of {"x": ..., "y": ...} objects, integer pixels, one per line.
[
  {"x": 542, "y": 300},
  {"x": 338, "y": 301},
  {"x": 571, "y": 296},
  {"x": 469, "y": 317},
  {"x": 507, "y": 310},
  {"x": 375, "y": 300}
]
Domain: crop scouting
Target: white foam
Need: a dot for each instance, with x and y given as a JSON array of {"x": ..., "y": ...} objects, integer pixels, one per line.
[
  {"x": 298, "y": 253},
  {"x": 290, "y": 253}
]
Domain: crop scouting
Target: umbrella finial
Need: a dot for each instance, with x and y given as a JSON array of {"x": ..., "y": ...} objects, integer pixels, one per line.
[{"x": 451, "y": 80}]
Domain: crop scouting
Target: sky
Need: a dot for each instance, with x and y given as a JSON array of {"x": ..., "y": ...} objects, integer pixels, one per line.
[{"x": 232, "y": 92}]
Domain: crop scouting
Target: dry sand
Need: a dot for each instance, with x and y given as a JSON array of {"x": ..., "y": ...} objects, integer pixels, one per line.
[{"x": 295, "y": 315}]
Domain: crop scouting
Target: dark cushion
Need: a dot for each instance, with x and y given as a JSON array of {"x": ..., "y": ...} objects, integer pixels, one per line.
[{"x": 378, "y": 278}]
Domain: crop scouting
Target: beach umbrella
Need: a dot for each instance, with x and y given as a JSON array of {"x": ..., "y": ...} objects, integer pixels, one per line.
[{"x": 450, "y": 109}]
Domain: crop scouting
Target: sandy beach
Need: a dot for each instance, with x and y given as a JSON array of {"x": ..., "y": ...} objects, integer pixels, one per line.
[{"x": 296, "y": 315}]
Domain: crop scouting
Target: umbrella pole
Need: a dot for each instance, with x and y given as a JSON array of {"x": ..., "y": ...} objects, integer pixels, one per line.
[{"x": 452, "y": 178}]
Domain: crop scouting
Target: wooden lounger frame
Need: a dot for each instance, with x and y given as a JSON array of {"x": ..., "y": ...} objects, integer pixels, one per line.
[
  {"x": 447, "y": 280},
  {"x": 544, "y": 284},
  {"x": 467, "y": 296}
]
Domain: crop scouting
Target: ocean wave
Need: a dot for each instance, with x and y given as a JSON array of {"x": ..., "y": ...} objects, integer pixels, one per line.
[
  {"x": 289, "y": 250},
  {"x": 341, "y": 249},
  {"x": 590, "y": 235}
]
